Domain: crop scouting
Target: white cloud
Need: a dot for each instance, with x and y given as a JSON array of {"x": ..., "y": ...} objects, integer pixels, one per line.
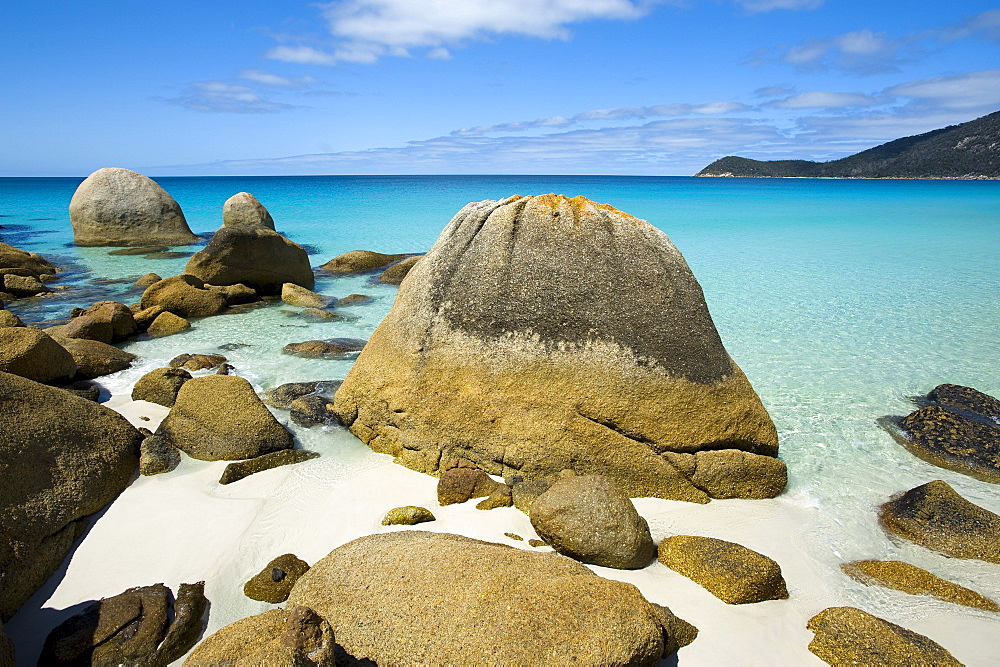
[
  {"x": 366, "y": 30},
  {"x": 222, "y": 97},
  {"x": 826, "y": 100},
  {"x": 861, "y": 51},
  {"x": 972, "y": 90},
  {"x": 758, "y": 6},
  {"x": 272, "y": 79}
]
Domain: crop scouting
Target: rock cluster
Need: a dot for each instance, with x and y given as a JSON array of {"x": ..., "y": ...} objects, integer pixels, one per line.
[{"x": 581, "y": 340}]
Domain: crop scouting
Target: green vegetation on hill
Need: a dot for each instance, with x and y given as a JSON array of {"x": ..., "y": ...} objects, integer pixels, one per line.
[{"x": 969, "y": 150}]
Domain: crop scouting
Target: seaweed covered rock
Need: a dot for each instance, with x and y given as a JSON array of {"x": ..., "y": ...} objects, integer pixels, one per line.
[
  {"x": 936, "y": 516},
  {"x": 333, "y": 348},
  {"x": 965, "y": 398},
  {"x": 131, "y": 628},
  {"x": 729, "y": 571},
  {"x": 243, "y": 209},
  {"x": 915, "y": 580},
  {"x": 275, "y": 581},
  {"x": 545, "y": 333},
  {"x": 360, "y": 261},
  {"x": 90, "y": 454},
  {"x": 416, "y": 597},
  {"x": 160, "y": 386},
  {"x": 590, "y": 519},
  {"x": 33, "y": 354},
  {"x": 220, "y": 417},
  {"x": 294, "y": 636},
  {"x": 184, "y": 295},
  {"x": 255, "y": 256},
  {"x": 119, "y": 207},
  {"x": 849, "y": 636},
  {"x": 953, "y": 439}
]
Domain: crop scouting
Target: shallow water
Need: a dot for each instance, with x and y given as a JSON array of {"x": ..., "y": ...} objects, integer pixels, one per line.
[{"x": 839, "y": 299}]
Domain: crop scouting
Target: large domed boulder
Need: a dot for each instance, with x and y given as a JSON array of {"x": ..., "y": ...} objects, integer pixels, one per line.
[
  {"x": 220, "y": 417},
  {"x": 257, "y": 256},
  {"x": 545, "y": 333},
  {"x": 243, "y": 209},
  {"x": 119, "y": 207},
  {"x": 416, "y": 597},
  {"x": 62, "y": 458},
  {"x": 33, "y": 354}
]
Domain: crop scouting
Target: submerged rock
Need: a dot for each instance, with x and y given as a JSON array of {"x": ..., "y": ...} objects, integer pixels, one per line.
[
  {"x": 311, "y": 410},
  {"x": 62, "y": 458},
  {"x": 119, "y": 207},
  {"x": 294, "y": 636},
  {"x": 219, "y": 417},
  {"x": 354, "y": 300},
  {"x": 935, "y": 516},
  {"x": 360, "y": 261},
  {"x": 917, "y": 581},
  {"x": 140, "y": 250},
  {"x": 581, "y": 341},
  {"x": 417, "y": 597},
  {"x": 234, "y": 472},
  {"x": 244, "y": 209},
  {"x": 410, "y": 515},
  {"x": 729, "y": 571},
  {"x": 255, "y": 256},
  {"x": 283, "y": 395},
  {"x": 334, "y": 348},
  {"x": 275, "y": 581},
  {"x": 197, "y": 362},
  {"x": 849, "y": 636},
  {"x": 590, "y": 519}
]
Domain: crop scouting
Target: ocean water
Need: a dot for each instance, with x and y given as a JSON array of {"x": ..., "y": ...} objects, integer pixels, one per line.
[{"x": 840, "y": 300}]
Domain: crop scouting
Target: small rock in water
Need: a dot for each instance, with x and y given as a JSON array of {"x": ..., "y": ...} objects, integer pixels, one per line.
[
  {"x": 295, "y": 295},
  {"x": 966, "y": 398},
  {"x": 147, "y": 280},
  {"x": 354, "y": 300},
  {"x": 410, "y": 515},
  {"x": 318, "y": 314},
  {"x": 915, "y": 580},
  {"x": 283, "y": 395},
  {"x": 360, "y": 261},
  {"x": 197, "y": 362},
  {"x": 333, "y": 348},
  {"x": 168, "y": 255},
  {"x": 275, "y": 581},
  {"x": 143, "y": 250},
  {"x": 311, "y": 410},
  {"x": 229, "y": 347}
]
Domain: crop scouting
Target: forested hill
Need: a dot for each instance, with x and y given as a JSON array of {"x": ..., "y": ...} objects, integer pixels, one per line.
[{"x": 969, "y": 150}]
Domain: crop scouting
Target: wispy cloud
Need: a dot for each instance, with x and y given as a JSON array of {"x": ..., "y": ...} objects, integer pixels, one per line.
[
  {"x": 759, "y": 6},
  {"x": 271, "y": 79},
  {"x": 975, "y": 91},
  {"x": 222, "y": 97},
  {"x": 826, "y": 100},
  {"x": 364, "y": 31},
  {"x": 982, "y": 26}
]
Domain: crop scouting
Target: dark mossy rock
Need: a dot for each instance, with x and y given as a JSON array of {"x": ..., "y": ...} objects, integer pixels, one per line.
[
  {"x": 167, "y": 324},
  {"x": 33, "y": 354},
  {"x": 132, "y": 628},
  {"x": 84, "y": 389},
  {"x": 935, "y": 516},
  {"x": 525, "y": 492},
  {"x": 395, "y": 273},
  {"x": 916, "y": 581},
  {"x": 21, "y": 286},
  {"x": 952, "y": 440},
  {"x": 234, "y": 472},
  {"x": 849, "y": 636},
  {"x": 729, "y": 571},
  {"x": 254, "y": 256},
  {"x": 95, "y": 359},
  {"x": 319, "y": 314},
  {"x": 283, "y": 395},
  {"x": 220, "y": 417},
  {"x": 312, "y": 410},
  {"x": 184, "y": 295},
  {"x": 157, "y": 456},
  {"x": 333, "y": 348},
  {"x": 142, "y": 250},
  {"x": 967, "y": 399},
  {"x": 160, "y": 386},
  {"x": 296, "y": 636},
  {"x": 86, "y": 328},
  {"x": 354, "y": 300},
  {"x": 500, "y": 497},
  {"x": 360, "y": 261},
  {"x": 197, "y": 362},
  {"x": 408, "y": 515},
  {"x": 590, "y": 519},
  {"x": 275, "y": 581},
  {"x": 463, "y": 483},
  {"x": 9, "y": 319},
  {"x": 62, "y": 458},
  {"x": 6, "y": 649}
]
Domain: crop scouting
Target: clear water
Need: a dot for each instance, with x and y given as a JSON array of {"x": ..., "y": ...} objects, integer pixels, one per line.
[{"x": 839, "y": 299}]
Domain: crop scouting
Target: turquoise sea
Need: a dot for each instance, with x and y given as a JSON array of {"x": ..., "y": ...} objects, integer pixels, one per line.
[{"x": 840, "y": 299}]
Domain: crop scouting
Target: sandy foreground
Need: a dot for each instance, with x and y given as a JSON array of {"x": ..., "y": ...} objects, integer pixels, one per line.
[{"x": 184, "y": 527}]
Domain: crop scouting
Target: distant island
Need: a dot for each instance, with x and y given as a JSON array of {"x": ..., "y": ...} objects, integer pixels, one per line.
[{"x": 967, "y": 151}]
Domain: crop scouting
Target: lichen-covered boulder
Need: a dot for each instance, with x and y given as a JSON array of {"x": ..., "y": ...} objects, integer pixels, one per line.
[
  {"x": 590, "y": 519},
  {"x": 732, "y": 473},
  {"x": 729, "y": 571},
  {"x": 167, "y": 324},
  {"x": 408, "y": 515},
  {"x": 275, "y": 581},
  {"x": 94, "y": 359},
  {"x": 394, "y": 274},
  {"x": 294, "y": 636},
  {"x": 545, "y": 333},
  {"x": 244, "y": 209},
  {"x": 294, "y": 295},
  {"x": 184, "y": 295},
  {"x": 257, "y": 257},
  {"x": 119, "y": 207},
  {"x": 32, "y": 263},
  {"x": 849, "y": 636},
  {"x": 160, "y": 386},
  {"x": 936, "y": 516},
  {"x": 360, "y": 261},
  {"x": 33, "y": 354},
  {"x": 220, "y": 417},
  {"x": 915, "y": 580},
  {"x": 62, "y": 458},
  {"x": 416, "y": 597}
]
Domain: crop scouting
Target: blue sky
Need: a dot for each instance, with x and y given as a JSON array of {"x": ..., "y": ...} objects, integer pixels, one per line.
[{"x": 479, "y": 86}]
